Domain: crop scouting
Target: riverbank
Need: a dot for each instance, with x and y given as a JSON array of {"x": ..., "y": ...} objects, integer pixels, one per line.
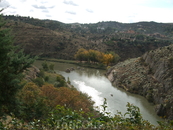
[
  {"x": 149, "y": 76},
  {"x": 94, "y": 83},
  {"x": 82, "y": 64}
]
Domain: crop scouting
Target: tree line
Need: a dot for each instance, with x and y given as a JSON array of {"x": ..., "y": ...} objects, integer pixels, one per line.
[{"x": 94, "y": 56}]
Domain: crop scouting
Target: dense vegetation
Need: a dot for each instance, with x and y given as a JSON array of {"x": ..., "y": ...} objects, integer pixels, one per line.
[
  {"x": 94, "y": 56},
  {"x": 47, "y": 101},
  {"x": 11, "y": 68}
]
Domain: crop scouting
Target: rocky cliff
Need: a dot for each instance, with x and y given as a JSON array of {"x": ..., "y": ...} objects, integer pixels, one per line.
[{"x": 151, "y": 76}]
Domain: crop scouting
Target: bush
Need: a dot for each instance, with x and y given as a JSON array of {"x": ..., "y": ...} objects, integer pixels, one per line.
[
  {"x": 60, "y": 81},
  {"x": 41, "y": 73},
  {"x": 45, "y": 66},
  {"x": 38, "y": 81},
  {"x": 51, "y": 66},
  {"x": 32, "y": 103},
  {"x": 46, "y": 78},
  {"x": 65, "y": 118}
]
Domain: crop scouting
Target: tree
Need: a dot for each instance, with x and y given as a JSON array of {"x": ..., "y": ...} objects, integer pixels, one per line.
[
  {"x": 92, "y": 55},
  {"x": 107, "y": 59},
  {"x": 116, "y": 57},
  {"x": 81, "y": 55},
  {"x": 32, "y": 102},
  {"x": 13, "y": 63},
  {"x": 100, "y": 56}
]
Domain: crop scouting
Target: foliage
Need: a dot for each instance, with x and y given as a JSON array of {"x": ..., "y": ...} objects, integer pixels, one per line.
[
  {"x": 81, "y": 55},
  {"x": 38, "y": 81},
  {"x": 45, "y": 66},
  {"x": 116, "y": 57},
  {"x": 95, "y": 56},
  {"x": 65, "y": 118},
  {"x": 48, "y": 67},
  {"x": 32, "y": 103},
  {"x": 134, "y": 115},
  {"x": 51, "y": 67},
  {"x": 68, "y": 80},
  {"x": 107, "y": 59},
  {"x": 41, "y": 73},
  {"x": 14, "y": 62},
  {"x": 68, "y": 97},
  {"x": 46, "y": 78},
  {"x": 60, "y": 81}
]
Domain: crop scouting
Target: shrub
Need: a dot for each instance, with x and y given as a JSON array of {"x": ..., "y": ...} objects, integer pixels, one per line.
[
  {"x": 32, "y": 103},
  {"x": 51, "y": 66},
  {"x": 38, "y": 81},
  {"x": 45, "y": 66},
  {"x": 41, "y": 73},
  {"x": 60, "y": 81},
  {"x": 46, "y": 78}
]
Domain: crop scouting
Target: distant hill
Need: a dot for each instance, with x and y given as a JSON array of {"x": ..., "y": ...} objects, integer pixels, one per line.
[{"x": 49, "y": 38}]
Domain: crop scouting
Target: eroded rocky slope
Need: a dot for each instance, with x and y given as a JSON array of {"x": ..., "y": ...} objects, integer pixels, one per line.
[{"x": 150, "y": 76}]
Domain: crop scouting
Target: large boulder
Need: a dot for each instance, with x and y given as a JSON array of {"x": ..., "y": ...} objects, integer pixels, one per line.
[{"x": 68, "y": 70}]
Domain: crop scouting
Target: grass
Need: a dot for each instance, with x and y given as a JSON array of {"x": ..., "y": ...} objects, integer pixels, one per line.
[
  {"x": 88, "y": 65},
  {"x": 52, "y": 77}
]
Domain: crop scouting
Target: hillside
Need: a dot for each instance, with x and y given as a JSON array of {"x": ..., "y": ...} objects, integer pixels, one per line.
[
  {"x": 44, "y": 42},
  {"x": 58, "y": 40},
  {"x": 150, "y": 76}
]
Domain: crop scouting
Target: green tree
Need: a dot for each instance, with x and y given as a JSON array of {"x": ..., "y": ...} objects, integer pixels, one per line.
[
  {"x": 116, "y": 57},
  {"x": 13, "y": 63},
  {"x": 51, "y": 66},
  {"x": 45, "y": 66}
]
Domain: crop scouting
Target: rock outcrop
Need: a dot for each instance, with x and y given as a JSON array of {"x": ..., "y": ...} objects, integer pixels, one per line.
[
  {"x": 31, "y": 73},
  {"x": 151, "y": 76}
]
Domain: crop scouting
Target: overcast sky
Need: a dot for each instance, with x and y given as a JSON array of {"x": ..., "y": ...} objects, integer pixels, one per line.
[{"x": 92, "y": 11}]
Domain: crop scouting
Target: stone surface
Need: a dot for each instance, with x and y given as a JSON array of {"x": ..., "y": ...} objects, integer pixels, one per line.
[
  {"x": 151, "y": 76},
  {"x": 31, "y": 73}
]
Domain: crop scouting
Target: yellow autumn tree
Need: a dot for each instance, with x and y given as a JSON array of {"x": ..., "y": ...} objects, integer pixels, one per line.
[
  {"x": 100, "y": 56},
  {"x": 92, "y": 55},
  {"x": 95, "y": 56},
  {"x": 107, "y": 59},
  {"x": 81, "y": 54}
]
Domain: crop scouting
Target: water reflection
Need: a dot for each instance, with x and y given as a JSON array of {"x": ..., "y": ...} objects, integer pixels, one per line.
[
  {"x": 92, "y": 92},
  {"x": 88, "y": 72},
  {"x": 95, "y": 84}
]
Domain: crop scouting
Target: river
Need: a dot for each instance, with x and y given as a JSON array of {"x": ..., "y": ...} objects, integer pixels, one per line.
[{"x": 95, "y": 84}]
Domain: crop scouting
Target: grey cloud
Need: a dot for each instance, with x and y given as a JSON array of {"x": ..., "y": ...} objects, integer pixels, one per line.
[
  {"x": 70, "y": 3},
  {"x": 89, "y": 10},
  {"x": 23, "y": 0},
  {"x": 39, "y": 7},
  {"x": 13, "y": 7},
  {"x": 51, "y": 7},
  {"x": 71, "y": 12},
  {"x": 31, "y": 10},
  {"x": 48, "y": 15},
  {"x": 44, "y": 2},
  {"x": 45, "y": 11},
  {"x": 42, "y": 7},
  {"x": 4, "y": 4}
]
